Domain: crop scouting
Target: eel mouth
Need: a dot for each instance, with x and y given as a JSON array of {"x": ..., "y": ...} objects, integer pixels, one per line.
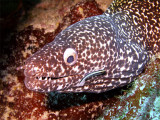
[
  {"x": 51, "y": 78},
  {"x": 86, "y": 77},
  {"x": 48, "y": 84}
]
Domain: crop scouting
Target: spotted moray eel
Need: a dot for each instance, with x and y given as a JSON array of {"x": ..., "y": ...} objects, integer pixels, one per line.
[{"x": 98, "y": 53}]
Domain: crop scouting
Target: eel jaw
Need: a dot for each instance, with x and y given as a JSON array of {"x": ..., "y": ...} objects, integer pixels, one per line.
[{"x": 49, "y": 84}]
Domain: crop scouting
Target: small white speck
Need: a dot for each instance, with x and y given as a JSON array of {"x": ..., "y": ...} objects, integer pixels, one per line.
[{"x": 60, "y": 87}]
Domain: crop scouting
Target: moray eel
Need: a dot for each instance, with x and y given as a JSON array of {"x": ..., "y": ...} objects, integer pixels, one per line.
[{"x": 98, "y": 53}]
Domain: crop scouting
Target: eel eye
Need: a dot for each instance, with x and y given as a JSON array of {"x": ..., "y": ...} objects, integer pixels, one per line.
[{"x": 70, "y": 56}]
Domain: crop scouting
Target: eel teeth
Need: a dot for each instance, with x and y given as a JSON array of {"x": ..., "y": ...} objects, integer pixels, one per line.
[{"x": 49, "y": 78}]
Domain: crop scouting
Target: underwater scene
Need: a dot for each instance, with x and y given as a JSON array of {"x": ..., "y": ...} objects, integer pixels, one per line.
[{"x": 79, "y": 60}]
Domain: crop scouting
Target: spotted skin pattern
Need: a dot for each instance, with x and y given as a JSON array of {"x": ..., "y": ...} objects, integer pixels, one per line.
[{"x": 116, "y": 42}]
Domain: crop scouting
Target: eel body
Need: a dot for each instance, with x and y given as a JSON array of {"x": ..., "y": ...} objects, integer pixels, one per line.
[{"x": 98, "y": 53}]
